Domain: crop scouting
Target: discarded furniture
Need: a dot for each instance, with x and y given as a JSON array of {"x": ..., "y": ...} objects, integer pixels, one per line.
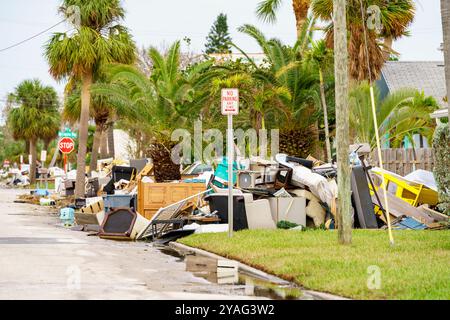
[
  {"x": 138, "y": 164},
  {"x": 92, "y": 187},
  {"x": 259, "y": 215},
  {"x": 362, "y": 201},
  {"x": 221, "y": 173},
  {"x": 169, "y": 213},
  {"x": 67, "y": 216},
  {"x": 119, "y": 200},
  {"x": 292, "y": 209},
  {"x": 122, "y": 224},
  {"x": 399, "y": 208},
  {"x": 313, "y": 209},
  {"x": 69, "y": 187},
  {"x": 247, "y": 178},
  {"x": 219, "y": 202},
  {"x": 119, "y": 173},
  {"x": 153, "y": 196},
  {"x": 412, "y": 192},
  {"x": 304, "y": 162},
  {"x": 408, "y": 223},
  {"x": 282, "y": 178}
]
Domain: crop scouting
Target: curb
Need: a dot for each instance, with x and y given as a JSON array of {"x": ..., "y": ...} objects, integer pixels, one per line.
[{"x": 252, "y": 271}]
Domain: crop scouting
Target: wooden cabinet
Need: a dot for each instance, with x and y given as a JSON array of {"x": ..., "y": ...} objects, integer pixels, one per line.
[{"x": 152, "y": 196}]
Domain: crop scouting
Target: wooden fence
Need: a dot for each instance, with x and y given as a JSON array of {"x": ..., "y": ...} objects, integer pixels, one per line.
[{"x": 404, "y": 161}]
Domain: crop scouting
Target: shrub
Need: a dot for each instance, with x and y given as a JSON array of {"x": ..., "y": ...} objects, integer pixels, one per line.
[{"x": 441, "y": 146}]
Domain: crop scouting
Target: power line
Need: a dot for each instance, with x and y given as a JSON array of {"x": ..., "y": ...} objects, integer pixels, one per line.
[{"x": 32, "y": 37}]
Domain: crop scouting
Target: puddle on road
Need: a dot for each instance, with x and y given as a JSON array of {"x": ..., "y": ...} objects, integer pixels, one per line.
[{"x": 226, "y": 273}]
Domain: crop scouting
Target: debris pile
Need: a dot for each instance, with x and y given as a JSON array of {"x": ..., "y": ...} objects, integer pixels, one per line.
[{"x": 124, "y": 202}]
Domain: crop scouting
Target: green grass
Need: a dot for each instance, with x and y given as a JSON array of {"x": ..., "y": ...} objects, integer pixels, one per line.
[{"x": 417, "y": 267}]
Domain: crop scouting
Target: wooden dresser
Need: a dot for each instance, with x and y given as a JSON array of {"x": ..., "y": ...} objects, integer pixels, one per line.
[{"x": 152, "y": 196}]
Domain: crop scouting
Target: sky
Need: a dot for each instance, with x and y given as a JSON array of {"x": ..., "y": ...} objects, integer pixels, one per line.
[{"x": 159, "y": 23}]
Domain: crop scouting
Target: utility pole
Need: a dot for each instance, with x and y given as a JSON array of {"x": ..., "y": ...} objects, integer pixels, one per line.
[
  {"x": 445, "y": 15},
  {"x": 344, "y": 218}
]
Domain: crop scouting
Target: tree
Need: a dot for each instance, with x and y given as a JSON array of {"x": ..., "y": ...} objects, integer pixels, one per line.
[
  {"x": 100, "y": 111},
  {"x": 392, "y": 19},
  {"x": 445, "y": 16},
  {"x": 441, "y": 149},
  {"x": 322, "y": 57},
  {"x": 170, "y": 98},
  {"x": 266, "y": 10},
  {"x": 344, "y": 217},
  {"x": 287, "y": 68},
  {"x": 36, "y": 117},
  {"x": 99, "y": 38},
  {"x": 218, "y": 40},
  {"x": 401, "y": 114}
]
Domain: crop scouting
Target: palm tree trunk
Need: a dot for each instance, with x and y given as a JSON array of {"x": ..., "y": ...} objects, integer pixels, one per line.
[
  {"x": 104, "y": 145},
  {"x": 301, "y": 8},
  {"x": 95, "y": 147},
  {"x": 55, "y": 156},
  {"x": 110, "y": 132},
  {"x": 33, "y": 152},
  {"x": 387, "y": 48},
  {"x": 325, "y": 116},
  {"x": 165, "y": 169},
  {"x": 344, "y": 218},
  {"x": 83, "y": 134},
  {"x": 445, "y": 13}
]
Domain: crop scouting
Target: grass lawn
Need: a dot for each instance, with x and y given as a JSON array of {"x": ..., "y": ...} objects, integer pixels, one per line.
[{"x": 417, "y": 267}]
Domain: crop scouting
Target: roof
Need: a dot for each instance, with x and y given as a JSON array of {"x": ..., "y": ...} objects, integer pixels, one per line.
[{"x": 426, "y": 76}]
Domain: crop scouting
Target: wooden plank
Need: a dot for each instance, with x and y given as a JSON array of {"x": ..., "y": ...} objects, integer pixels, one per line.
[{"x": 398, "y": 208}]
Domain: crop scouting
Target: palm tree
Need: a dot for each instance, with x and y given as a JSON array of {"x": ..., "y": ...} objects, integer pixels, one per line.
[
  {"x": 395, "y": 18},
  {"x": 170, "y": 98},
  {"x": 288, "y": 69},
  {"x": 36, "y": 116},
  {"x": 445, "y": 16},
  {"x": 401, "y": 115},
  {"x": 98, "y": 39},
  {"x": 266, "y": 10},
  {"x": 322, "y": 57},
  {"x": 100, "y": 111}
]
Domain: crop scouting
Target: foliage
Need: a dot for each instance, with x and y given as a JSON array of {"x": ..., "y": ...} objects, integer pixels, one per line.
[
  {"x": 287, "y": 70},
  {"x": 418, "y": 258},
  {"x": 218, "y": 40},
  {"x": 395, "y": 18},
  {"x": 400, "y": 115},
  {"x": 98, "y": 39},
  {"x": 155, "y": 105},
  {"x": 36, "y": 116},
  {"x": 441, "y": 147},
  {"x": 11, "y": 150},
  {"x": 266, "y": 10}
]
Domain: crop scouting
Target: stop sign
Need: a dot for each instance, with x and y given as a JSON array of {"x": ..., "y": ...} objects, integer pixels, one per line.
[{"x": 66, "y": 145}]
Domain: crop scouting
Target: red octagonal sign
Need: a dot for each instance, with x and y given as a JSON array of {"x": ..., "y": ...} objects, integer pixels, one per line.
[{"x": 66, "y": 145}]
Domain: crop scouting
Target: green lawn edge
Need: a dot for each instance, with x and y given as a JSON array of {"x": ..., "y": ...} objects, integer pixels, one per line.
[{"x": 417, "y": 267}]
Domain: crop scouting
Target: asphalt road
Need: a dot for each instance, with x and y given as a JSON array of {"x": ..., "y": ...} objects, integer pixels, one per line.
[{"x": 40, "y": 259}]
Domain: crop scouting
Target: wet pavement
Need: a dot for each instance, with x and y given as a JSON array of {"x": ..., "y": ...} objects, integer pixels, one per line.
[{"x": 40, "y": 259}]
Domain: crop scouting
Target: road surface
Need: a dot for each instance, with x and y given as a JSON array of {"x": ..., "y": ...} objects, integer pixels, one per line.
[{"x": 40, "y": 259}]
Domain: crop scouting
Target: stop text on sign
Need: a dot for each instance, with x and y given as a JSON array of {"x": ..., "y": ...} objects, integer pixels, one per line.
[
  {"x": 230, "y": 101},
  {"x": 66, "y": 145}
]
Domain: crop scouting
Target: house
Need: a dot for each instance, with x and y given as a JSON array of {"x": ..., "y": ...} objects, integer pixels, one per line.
[{"x": 426, "y": 76}]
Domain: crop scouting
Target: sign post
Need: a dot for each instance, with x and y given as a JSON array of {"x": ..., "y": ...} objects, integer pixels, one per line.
[
  {"x": 230, "y": 107},
  {"x": 66, "y": 144}
]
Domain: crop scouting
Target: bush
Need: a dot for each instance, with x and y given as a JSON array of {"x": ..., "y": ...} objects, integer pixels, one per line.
[{"x": 441, "y": 146}]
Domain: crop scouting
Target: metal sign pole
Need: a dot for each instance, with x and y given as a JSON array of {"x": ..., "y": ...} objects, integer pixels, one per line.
[{"x": 230, "y": 144}]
